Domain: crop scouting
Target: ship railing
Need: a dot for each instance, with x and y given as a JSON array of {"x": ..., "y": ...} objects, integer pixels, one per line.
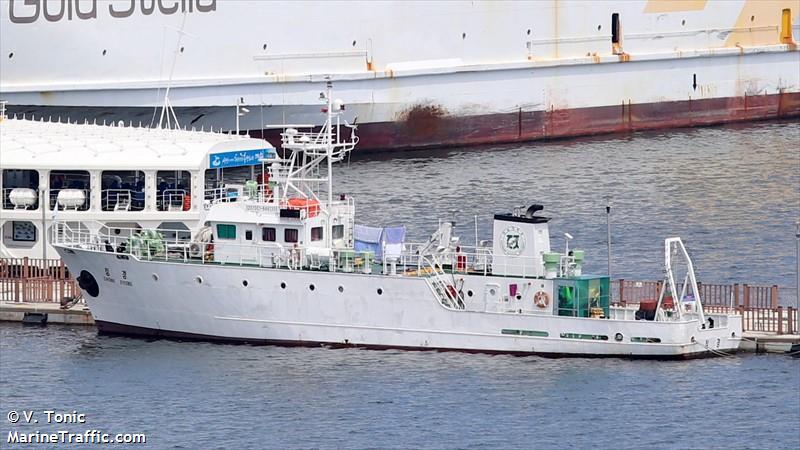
[
  {"x": 474, "y": 260},
  {"x": 122, "y": 200},
  {"x": 237, "y": 192},
  {"x": 173, "y": 200}
]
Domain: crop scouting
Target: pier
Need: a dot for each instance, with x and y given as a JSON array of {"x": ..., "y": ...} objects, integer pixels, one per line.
[{"x": 34, "y": 288}]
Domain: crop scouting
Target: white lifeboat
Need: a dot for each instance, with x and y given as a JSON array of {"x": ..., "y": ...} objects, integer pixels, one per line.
[
  {"x": 71, "y": 198},
  {"x": 22, "y": 198}
]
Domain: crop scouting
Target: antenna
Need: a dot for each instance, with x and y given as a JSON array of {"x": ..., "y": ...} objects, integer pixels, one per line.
[{"x": 167, "y": 112}]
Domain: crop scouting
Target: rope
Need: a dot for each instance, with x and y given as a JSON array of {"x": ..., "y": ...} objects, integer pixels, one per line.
[{"x": 714, "y": 351}]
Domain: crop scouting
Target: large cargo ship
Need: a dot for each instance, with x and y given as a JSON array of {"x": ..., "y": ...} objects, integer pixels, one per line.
[{"x": 417, "y": 74}]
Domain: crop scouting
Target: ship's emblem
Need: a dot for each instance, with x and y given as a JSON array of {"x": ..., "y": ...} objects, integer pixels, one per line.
[
  {"x": 216, "y": 161},
  {"x": 513, "y": 241}
]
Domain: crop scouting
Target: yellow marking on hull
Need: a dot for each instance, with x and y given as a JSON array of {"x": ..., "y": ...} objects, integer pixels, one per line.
[
  {"x": 662, "y": 6},
  {"x": 759, "y": 22}
]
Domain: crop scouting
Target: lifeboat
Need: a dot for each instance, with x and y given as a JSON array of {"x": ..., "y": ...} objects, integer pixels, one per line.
[{"x": 311, "y": 206}]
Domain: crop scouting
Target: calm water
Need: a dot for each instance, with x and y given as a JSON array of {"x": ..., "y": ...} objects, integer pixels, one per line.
[{"x": 733, "y": 194}]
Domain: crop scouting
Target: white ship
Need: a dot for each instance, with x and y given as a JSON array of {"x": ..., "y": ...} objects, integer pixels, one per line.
[
  {"x": 287, "y": 265},
  {"x": 117, "y": 177},
  {"x": 416, "y": 73}
]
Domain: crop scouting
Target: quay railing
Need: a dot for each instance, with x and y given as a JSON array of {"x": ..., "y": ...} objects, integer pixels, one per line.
[{"x": 36, "y": 280}]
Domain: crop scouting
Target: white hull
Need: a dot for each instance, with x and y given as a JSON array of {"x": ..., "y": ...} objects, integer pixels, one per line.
[{"x": 406, "y": 314}]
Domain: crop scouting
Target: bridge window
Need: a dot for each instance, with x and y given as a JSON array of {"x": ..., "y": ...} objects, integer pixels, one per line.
[
  {"x": 290, "y": 235},
  {"x": 20, "y": 189},
  {"x": 316, "y": 234},
  {"x": 174, "y": 190},
  {"x": 226, "y": 231},
  {"x": 70, "y": 190},
  {"x": 248, "y": 235},
  {"x": 268, "y": 234},
  {"x": 122, "y": 190},
  {"x": 337, "y": 232}
]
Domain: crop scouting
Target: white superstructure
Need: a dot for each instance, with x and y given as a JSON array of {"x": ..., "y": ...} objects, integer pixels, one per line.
[
  {"x": 123, "y": 176},
  {"x": 415, "y": 73}
]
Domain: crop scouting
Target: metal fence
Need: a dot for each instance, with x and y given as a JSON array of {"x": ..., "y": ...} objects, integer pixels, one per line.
[{"x": 36, "y": 280}]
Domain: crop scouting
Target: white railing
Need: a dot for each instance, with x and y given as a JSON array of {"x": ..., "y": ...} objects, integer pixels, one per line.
[
  {"x": 173, "y": 200},
  {"x": 122, "y": 200}
]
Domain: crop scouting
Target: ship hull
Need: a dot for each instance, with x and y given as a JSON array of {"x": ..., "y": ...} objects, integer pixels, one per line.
[
  {"x": 487, "y": 106},
  {"x": 283, "y": 307}
]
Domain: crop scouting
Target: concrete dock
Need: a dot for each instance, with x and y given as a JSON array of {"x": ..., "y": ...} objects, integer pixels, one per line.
[{"x": 77, "y": 315}]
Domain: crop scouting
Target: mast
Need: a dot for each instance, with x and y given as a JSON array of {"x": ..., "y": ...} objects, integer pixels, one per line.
[{"x": 329, "y": 226}]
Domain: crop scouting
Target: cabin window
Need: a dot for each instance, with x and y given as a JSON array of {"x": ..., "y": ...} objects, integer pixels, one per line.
[
  {"x": 316, "y": 234},
  {"x": 786, "y": 26},
  {"x": 290, "y": 235},
  {"x": 268, "y": 234},
  {"x": 615, "y": 28},
  {"x": 174, "y": 190},
  {"x": 23, "y": 231},
  {"x": 226, "y": 231},
  {"x": 70, "y": 190},
  {"x": 122, "y": 190},
  {"x": 27, "y": 181},
  {"x": 248, "y": 235},
  {"x": 337, "y": 232}
]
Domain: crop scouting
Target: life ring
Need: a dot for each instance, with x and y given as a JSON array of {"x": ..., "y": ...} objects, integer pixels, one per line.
[
  {"x": 541, "y": 299},
  {"x": 187, "y": 202}
]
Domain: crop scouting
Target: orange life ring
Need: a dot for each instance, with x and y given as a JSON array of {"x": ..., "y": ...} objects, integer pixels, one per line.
[
  {"x": 541, "y": 299},
  {"x": 187, "y": 202}
]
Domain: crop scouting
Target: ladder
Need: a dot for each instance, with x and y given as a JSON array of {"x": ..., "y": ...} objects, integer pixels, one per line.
[{"x": 448, "y": 294}]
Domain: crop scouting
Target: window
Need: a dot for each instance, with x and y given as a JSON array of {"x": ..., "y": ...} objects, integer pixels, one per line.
[
  {"x": 268, "y": 234},
  {"x": 248, "y": 235},
  {"x": 75, "y": 185},
  {"x": 225, "y": 231},
  {"x": 337, "y": 232},
  {"x": 122, "y": 190},
  {"x": 23, "y": 231},
  {"x": 27, "y": 183},
  {"x": 316, "y": 234},
  {"x": 290, "y": 235},
  {"x": 173, "y": 190},
  {"x": 615, "y": 28}
]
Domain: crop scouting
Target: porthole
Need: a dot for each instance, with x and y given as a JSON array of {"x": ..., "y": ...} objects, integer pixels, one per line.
[
  {"x": 199, "y": 280},
  {"x": 117, "y": 231},
  {"x": 155, "y": 277},
  {"x": 599, "y": 27},
  {"x": 354, "y": 43},
  {"x": 264, "y": 47},
  {"x": 181, "y": 49},
  {"x": 683, "y": 22},
  {"x": 310, "y": 287},
  {"x": 341, "y": 288},
  {"x": 752, "y": 18},
  {"x": 618, "y": 337},
  {"x": 245, "y": 283},
  {"x": 104, "y": 52},
  {"x": 469, "y": 293},
  {"x": 380, "y": 291},
  {"x": 492, "y": 291},
  {"x": 283, "y": 285},
  {"x": 529, "y": 31},
  {"x": 10, "y": 55},
  {"x": 463, "y": 35}
]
